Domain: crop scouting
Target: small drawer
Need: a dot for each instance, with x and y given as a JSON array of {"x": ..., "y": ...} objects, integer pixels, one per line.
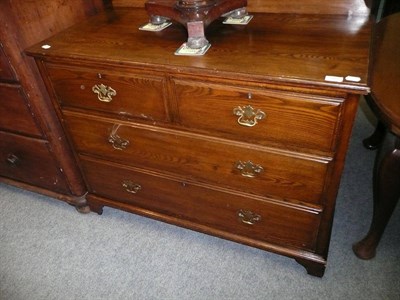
[
  {"x": 280, "y": 119},
  {"x": 6, "y": 72},
  {"x": 242, "y": 167},
  {"x": 129, "y": 96},
  {"x": 28, "y": 160},
  {"x": 14, "y": 111},
  {"x": 230, "y": 212}
]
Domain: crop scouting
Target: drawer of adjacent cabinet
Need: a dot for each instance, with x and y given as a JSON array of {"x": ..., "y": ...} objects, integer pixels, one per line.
[
  {"x": 14, "y": 111},
  {"x": 266, "y": 117},
  {"x": 6, "y": 72},
  {"x": 243, "y": 167},
  {"x": 234, "y": 213},
  {"x": 129, "y": 95},
  {"x": 28, "y": 160}
]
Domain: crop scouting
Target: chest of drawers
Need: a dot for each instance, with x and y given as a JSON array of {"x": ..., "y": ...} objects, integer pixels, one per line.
[{"x": 246, "y": 143}]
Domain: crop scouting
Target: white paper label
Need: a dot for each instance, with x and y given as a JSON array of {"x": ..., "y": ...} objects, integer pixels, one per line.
[
  {"x": 353, "y": 78},
  {"x": 333, "y": 78}
]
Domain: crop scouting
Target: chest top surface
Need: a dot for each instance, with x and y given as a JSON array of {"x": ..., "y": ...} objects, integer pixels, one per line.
[{"x": 280, "y": 48}]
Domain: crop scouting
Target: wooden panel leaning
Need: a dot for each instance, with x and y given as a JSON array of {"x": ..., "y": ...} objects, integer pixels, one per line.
[{"x": 29, "y": 117}]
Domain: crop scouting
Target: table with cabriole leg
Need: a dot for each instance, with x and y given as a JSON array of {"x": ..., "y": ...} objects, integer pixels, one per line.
[{"x": 385, "y": 101}]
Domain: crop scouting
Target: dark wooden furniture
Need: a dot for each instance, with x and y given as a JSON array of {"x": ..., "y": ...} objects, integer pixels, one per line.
[
  {"x": 385, "y": 101},
  {"x": 390, "y": 7},
  {"x": 33, "y": 151},
  {"x": 246, "y": 143}
]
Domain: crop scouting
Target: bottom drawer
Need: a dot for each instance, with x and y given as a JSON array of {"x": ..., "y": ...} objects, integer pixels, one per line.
[
  {"x": 28, "y": 160},
  {"x": 220, "y": 209}
]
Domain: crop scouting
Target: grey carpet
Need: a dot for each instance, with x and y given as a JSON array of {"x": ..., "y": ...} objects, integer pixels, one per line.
[{"x": 49, "y": 251}]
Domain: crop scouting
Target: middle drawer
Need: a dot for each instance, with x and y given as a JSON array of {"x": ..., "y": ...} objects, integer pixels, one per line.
[{"x": 238, "y": 166}]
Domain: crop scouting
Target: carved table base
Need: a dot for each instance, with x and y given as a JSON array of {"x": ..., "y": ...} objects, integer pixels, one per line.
[{"x": 195, "y": 15}]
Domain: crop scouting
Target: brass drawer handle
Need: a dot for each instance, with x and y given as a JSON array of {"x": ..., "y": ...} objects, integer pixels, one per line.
[
  {"x": 104, "y": 93},
  {"x": 248, "y": 217},
  {"x": 12, "y": 159},
  {"x": 248, "y": 168},
  {"x": 115, "y": 140},
  {"x": 248, "y": 116},
  {"x": 131, "y": 187},
  {"x": 118, "y": 142}
]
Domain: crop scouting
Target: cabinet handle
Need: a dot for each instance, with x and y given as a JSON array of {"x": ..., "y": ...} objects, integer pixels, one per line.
[
  {"x": 131, "y": 187},
  {"x": 248, "y": 116},
  {"x": 118, "y": 142},
  {"x": 104, "y": 93},
  {"x": 115, "y": 140},
  {"x": 12, "y": 159},
  {"x": 248, "y": 168},
  {"x": 248, "y": 217}
]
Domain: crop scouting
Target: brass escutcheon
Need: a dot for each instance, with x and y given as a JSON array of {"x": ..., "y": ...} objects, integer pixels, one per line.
[
  {"x": 248, "y": 217},
  {"x": 104, "y": 93},
  {"x": 248, "y": 168},
  {"x": 248, "y": 116}
]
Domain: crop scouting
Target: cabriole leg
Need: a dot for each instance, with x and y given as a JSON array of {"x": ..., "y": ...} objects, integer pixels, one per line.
[{"x": 386, "y": 195}]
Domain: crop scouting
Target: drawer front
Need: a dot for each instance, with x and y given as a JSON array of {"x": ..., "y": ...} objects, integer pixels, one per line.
[
  {"x": 128, "y": 95},
  {"x": 14, "y": 112},
  {"x": 237, "y": 166},
  {"x": 6, "y": 72},
  {"x": 288, "y": 121},
  {"x": 28, "y": 160},
  {"x": 234, "y": 213}
]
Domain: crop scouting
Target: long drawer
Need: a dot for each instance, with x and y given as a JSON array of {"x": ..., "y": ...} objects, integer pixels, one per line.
[
  {"x": 28, "y": 160},
  {"x": 14, "y": 112},
  {"x": 129, "y": 95},
  {"x": 242, "y": 167},
  {"x": 265, "y": 117},
  {"x": 231, "y": 212}
]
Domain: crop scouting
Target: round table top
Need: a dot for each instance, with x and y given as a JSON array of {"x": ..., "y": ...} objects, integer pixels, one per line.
[{"x": 385, "y": 71}]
